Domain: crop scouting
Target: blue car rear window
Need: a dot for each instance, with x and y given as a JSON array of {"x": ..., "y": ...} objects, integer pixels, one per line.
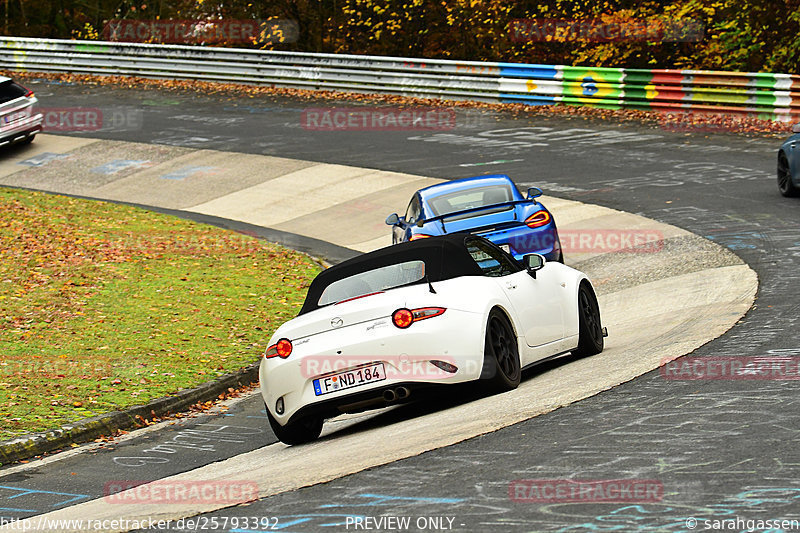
[{"x": 469, "y": 199}]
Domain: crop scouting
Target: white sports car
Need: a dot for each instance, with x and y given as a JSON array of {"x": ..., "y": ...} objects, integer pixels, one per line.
[{"x": 436, "y": 311}]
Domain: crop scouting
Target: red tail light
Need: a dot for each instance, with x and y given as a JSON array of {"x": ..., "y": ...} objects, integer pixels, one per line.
[
  {"x": 403, "y": 318},
  {"x": 538, "y": 219},
  {"x": 29, "y": 94},
  {"x": 282, "y": 349},
  {"x": 418, "y": 236}
]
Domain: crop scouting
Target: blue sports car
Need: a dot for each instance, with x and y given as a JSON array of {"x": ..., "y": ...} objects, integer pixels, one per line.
[
  {"x": 789, "y": 164},
  {"x": 489, "y": 206}
]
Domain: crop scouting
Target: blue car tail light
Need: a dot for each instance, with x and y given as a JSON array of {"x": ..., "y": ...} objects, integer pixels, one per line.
[{"x": 538, "y": 219}]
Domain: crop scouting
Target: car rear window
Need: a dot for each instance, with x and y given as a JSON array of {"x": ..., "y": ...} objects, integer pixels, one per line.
[
  {"x": 471, "y": 198},
  {"x": 379, "y": 279},
  {"x": 11, "y": 91}
]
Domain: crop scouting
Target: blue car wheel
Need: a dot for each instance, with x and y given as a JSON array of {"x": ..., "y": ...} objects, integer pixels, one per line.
[{"x": 785, "y": 184}]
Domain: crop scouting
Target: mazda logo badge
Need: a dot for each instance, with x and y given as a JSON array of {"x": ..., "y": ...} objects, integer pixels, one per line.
[{"x": 336, "y": 322}]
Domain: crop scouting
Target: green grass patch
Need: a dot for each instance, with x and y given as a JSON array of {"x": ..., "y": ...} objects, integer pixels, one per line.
[{"x": 104, "y": 306}]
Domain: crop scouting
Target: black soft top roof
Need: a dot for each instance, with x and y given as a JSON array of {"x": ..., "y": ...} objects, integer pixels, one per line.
[{"x": 445, "y": 257}]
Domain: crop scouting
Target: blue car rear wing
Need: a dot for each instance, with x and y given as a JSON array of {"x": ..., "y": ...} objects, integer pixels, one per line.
[{"x": 512, "y": 203}]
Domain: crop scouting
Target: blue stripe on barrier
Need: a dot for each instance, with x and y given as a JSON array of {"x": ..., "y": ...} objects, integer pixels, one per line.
[
  {"x": 531, "y": 99},
  {"x": 523, "y": 70}
]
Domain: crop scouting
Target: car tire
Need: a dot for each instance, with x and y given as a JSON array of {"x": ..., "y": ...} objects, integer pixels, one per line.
[
  {"x": 299, "y": 431},
  {"x": 29, "y": 140},
  {"x": 785, "y": 185},
  {"x": 590, "y": 329},
  {"x": 501, "y": 368}
]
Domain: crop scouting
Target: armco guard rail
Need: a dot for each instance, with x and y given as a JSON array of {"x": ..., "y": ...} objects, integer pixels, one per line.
[{"x": 773, "y": 96}]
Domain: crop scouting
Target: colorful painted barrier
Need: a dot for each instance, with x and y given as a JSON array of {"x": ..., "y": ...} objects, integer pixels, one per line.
[{"x": 765, "y": 95}]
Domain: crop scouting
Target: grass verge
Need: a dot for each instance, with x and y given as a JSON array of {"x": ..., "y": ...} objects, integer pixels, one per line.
[{"x": 104, "y": 306}]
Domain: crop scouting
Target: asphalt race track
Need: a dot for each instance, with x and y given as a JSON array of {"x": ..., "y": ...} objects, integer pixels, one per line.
[
  {"x": 719, "y": 449},
  {"x": 710, "y": 290}
]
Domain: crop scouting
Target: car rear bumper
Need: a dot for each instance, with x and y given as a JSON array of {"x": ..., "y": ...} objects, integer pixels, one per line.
[
  {"x": 20, "y": 130},
  {"x": 363, "y": 400},
  {"x": 406, "y": 356}
]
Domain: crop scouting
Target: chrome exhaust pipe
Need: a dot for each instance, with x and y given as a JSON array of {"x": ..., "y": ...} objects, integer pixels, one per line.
[
  {"x": 389, "y": 395},
  {"x": 402, "y": 393}
]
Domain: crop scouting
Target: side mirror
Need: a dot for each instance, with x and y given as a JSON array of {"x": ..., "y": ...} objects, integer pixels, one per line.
[
  {"x": 533, "y": 262},
  {"x": 392, "y": 220},
  {"x": 796, "y": 128},
  {"x": 534, "y": 192}
]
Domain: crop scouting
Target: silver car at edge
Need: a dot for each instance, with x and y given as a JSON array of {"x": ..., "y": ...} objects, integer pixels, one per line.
[{"x": 18, "y": 121}]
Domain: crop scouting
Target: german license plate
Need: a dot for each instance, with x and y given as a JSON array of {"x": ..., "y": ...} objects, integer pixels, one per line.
[
  {"x": 349, "y": 379},
  {"x": 506, "y": 248},
  {"x": 13, "y": 117}
]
